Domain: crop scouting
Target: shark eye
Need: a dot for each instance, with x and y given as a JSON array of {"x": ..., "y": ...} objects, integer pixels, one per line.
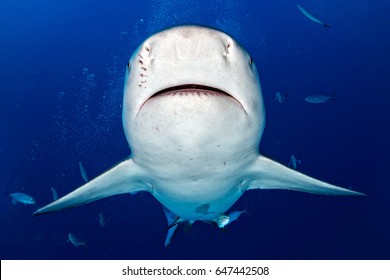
[
  {"x": 128, "y": 65},
  {"x": 250, "y": 60}
]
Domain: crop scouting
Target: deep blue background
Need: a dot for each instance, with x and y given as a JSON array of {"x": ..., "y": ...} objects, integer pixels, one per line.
[{"x": 54, "y": 114}]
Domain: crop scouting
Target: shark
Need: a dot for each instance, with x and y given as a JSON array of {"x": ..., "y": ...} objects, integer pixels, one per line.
[{"x": 193, "y": 116}]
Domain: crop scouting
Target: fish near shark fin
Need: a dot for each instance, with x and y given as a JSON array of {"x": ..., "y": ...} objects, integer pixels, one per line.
[
  {"x": 125, "y": 177},
  {"x": 268, "y": 174}
]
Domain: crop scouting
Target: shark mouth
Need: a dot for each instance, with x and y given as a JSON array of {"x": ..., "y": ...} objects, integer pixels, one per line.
[{"x": 193, "y": 90}]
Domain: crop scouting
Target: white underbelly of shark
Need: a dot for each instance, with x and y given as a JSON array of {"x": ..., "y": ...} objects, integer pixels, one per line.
[{"x": 193, "y": 116}]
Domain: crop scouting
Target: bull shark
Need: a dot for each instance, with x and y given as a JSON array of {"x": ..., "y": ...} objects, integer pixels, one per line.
[{"x": 193, "y": 116}]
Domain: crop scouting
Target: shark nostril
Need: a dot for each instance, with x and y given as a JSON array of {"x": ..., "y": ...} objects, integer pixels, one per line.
[{"x": 227, "y": 48}]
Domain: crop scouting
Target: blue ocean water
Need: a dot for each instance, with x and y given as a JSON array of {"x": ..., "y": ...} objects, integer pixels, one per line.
[{"x": 62, "y": 66}]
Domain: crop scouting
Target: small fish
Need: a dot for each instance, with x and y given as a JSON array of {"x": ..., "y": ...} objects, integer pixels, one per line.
[
  {"x": 312, "y": 17},
  {"x": 279, "y": 97},
  {"x": 54, "y": 193},
  {"x": 21, "y": 198},
  {"x": 223, "y": 220},
  {"x": 294, "y": 162},
  {"x": 319, "y": 98},
  {"x": 83, "y": 172},
  {"x": 101, "y": 220},
  {"x": 75, "y": 241}
]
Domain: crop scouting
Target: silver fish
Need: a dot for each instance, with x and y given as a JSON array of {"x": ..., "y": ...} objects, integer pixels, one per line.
[
  {"x": 319, "y": 98},
  {"x": 54, "y": 193},
  {"x": 75, "y": 241},
  {"x": 312, "y": 17},
  {"x": 83, "y": 172},
  {"x": 22, "y": 198},
  {"x": 223, "y": 220},
  {"x": 294, "y": 162}
]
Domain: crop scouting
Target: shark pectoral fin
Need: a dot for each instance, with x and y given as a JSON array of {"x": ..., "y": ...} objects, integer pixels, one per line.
[
  {"x": 125, "y": 177},
  {"x": 268, "y": 174}
]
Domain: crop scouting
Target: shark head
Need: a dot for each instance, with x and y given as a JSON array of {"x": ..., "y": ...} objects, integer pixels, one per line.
[{"x": 189, "y": 87}]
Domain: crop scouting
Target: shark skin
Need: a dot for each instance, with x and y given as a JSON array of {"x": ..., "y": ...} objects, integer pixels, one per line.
[{"x": 193, "y": 116}]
